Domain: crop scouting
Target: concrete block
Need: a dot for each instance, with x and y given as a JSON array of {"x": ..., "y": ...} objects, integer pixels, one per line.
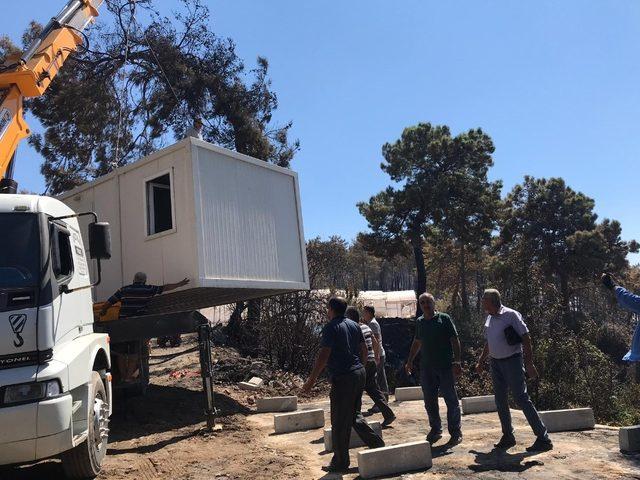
[
  {"x": 394, "y": 459},
  {"x": 296, "y": 421},
  {"x": 355, "y": 441},
  {"x": 408, "y": 393},
  {"x": 277, "y": 404},
  {"x": 630, "y": 439},
  {"x": 483, "y": 404},
  {"x": 571, "y": 419},
  {"x": 257, "y": 381},
  {"x": 248, "y": 386}
]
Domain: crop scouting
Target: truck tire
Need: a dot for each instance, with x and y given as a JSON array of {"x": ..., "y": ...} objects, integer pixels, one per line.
[{"x": 85, "y": 460}]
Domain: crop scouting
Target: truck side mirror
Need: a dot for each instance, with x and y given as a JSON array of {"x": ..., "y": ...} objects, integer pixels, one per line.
[{"x": 100, "y": 240}]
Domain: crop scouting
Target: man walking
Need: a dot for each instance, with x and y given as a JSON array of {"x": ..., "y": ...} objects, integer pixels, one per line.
[
  {"x": 343, "y": 352},
  {"x": 507, "y": 339},
  {"x": 437, "y": 340},
  {"x": 369, "y": 316},
  {"x": 373, "y": 356}
]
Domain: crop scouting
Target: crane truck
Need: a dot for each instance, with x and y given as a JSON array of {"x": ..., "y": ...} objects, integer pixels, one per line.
[
  {"x": 55, "y": 381},
  {"x": 229, "y": 222}
]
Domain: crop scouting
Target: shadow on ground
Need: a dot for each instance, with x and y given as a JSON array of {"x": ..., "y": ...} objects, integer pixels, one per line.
[
  {"x": 165, "y": 408},
  {"x": 162, "y": 409},
  {"x": 502, "y": 461}
]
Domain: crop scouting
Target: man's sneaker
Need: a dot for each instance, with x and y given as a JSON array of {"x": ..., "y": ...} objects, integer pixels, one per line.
[
  {"x": 373, "y": 410},
  {"x": 434, "y": 436},
  {"x": 388, "y": 421},
  {"x": 506, "y": 442},
  {"x": 456, "y": 439},
  {"x": 541, "y": 445}
]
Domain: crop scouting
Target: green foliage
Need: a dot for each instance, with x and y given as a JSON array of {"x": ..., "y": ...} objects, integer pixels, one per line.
[
  {"x": 575, "y": 373},
  {"x": 443, "y": 190},
  {"x": 557, "y": 229},
  {"x": 134, "y": 87},
  {"x": 542, "y": 247}
]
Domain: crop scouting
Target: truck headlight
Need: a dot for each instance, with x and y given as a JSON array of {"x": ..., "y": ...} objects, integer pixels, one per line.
[{"x": 30, "y": 392}]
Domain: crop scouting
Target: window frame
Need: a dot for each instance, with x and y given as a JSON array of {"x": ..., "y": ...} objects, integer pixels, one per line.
[
  {"x": 58, "y": 229},
  {"x": 148, "y": 203}
]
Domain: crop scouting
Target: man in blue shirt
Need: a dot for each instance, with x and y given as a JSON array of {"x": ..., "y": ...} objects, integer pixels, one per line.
[
  {"x": 630, "y": 302},
  {"x": 344, "y": 353}
]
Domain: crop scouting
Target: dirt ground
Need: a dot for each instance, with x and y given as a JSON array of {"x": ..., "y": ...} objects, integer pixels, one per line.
[{"x": 162, "y": 436}]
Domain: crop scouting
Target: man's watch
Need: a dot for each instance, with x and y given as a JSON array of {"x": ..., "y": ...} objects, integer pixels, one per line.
[{"x": 457, "y": 363}]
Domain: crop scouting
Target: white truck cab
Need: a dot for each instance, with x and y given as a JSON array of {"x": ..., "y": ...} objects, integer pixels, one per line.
[{"x": 55, "y": 385}]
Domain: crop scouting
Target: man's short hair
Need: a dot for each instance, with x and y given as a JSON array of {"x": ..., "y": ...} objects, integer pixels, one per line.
[
  {"x": 371, "y": 309},
  {"x": 140, "y": 277},
  {"x": 352, "y": 313},
  {"x": 338, "y": 305},
  {"x": 430, "y": 299},
  {"x": 493, "y": 295}
]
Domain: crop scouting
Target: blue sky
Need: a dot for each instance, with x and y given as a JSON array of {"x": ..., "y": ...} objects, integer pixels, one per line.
[{"x": 556, "y": 85}]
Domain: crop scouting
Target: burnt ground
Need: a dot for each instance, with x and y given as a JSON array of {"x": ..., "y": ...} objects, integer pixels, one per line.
[{"x": 162, "y": 436}]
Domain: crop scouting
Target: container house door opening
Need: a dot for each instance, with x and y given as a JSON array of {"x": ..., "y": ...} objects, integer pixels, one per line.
[{"x": 159, "y": 208}]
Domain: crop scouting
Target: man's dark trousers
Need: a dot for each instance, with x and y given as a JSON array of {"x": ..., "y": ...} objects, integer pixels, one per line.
[
  {"x": 346, "y": 402},
  {"x": 441, "y": 379},
  {"x": 373, "y": 390}
]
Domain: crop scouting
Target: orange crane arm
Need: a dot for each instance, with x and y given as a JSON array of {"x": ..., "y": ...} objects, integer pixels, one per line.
[{"x": 29, "y": 74}]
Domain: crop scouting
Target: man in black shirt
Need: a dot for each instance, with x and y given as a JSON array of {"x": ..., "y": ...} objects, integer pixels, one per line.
[{"x": 344, "y": 353}]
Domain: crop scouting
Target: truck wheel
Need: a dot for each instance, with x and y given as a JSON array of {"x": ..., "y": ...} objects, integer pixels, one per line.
[{"x": 85, "y": 460}]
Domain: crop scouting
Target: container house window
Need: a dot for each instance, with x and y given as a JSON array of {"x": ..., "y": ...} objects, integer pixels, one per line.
[{"x": 159, "y": 208}]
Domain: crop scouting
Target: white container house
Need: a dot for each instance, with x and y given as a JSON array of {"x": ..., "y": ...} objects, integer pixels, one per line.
[{"x": 228, "y": 222}]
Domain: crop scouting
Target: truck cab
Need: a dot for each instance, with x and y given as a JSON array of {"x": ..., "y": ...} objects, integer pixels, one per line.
[{"x": 55, "y": 385}]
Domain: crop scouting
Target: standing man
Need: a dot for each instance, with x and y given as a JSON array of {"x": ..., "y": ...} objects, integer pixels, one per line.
[
  {"x": 369, "y": 315},
  {"x": 196, "y": 130},
  {"x": 344, "y": 353},
  {"x": 371, "y": 367},
  {"x": 133, "y": 301},
  {"x": 437, "y": 340},
  {"x": 630, "y": 302},
  {"x": 507, "y": 338},
  {"x": 135, "y": 297}
]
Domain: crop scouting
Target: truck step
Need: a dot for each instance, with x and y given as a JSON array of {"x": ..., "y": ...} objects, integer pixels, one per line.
[{"x": 76, "y": 405}]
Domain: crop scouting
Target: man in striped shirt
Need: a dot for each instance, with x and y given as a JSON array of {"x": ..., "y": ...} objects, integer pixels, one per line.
[
  {"x": 373, "y": 357},
  {"x": 135, "y": 297}
]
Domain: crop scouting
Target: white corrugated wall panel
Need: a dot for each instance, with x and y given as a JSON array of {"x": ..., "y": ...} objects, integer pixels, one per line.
[{"x": 249, "y": 214}]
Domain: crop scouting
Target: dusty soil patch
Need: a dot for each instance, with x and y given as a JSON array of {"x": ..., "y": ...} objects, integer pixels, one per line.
[{"x": 161, "y": 436}]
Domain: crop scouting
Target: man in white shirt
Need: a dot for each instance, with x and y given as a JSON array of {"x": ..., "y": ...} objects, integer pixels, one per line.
[
  {"x": 369, "y": 316},
  {"x": 196, "y": 130},
  {"x": 507, "y": 342}
]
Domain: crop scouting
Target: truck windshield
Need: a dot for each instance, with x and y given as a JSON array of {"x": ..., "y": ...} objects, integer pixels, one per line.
[{"x": 19, "y": 250}]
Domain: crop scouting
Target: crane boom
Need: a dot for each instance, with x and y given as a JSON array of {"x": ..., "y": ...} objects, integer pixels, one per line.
[{"x": 29, "y": 75}]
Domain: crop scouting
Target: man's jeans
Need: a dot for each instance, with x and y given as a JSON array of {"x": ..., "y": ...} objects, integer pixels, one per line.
[
  {"x": 382, "y": 378},
  {"x": 346, "y": 403},
  {"x": 508, "y": 374},
  {"x": 373, "y": 390},
  {"x": 442, "y": 379}
]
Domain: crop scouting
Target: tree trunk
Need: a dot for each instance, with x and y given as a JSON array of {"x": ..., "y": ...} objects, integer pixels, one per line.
[
  {"x": 462, "y": 276},
  {"x": 421, "y": 270},
  {"x": 233, "y": 327},
  {"x": 564, "y": 292}
]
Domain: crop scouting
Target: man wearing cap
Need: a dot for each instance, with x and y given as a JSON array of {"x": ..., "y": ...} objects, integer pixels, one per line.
[{"x": 135, "y": 297}]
